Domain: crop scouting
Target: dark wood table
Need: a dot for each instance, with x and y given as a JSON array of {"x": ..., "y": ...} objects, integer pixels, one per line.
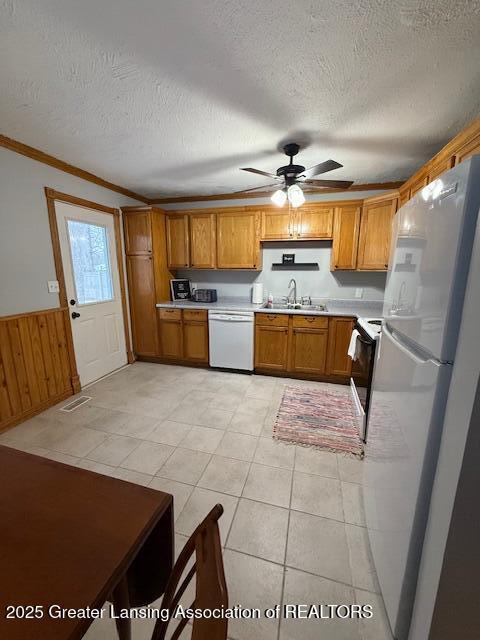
[{"x": 71, "y": 537}]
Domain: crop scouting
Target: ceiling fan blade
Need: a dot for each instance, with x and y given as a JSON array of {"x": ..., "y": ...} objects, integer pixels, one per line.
[
  {"x": 323, "y": 167},
  {"x": 261, "y": 173},
  {"x": 333, "y": 184},
  {"x": 266, "y": 187}
]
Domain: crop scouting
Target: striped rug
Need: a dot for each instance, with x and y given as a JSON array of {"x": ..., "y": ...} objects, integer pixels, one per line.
[{"x": 318, "y": 418}]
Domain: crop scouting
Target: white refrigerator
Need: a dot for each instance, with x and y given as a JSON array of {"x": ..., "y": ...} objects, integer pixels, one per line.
[{"x": 432, "y": 246}]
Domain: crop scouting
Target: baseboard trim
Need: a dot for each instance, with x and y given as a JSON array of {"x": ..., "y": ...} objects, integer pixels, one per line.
[{"x": 33, "y": 411}]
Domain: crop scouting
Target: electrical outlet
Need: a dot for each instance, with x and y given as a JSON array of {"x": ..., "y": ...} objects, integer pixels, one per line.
[
  {"x": 53, "y": 286},
  {"x": 358, "y": 292}
]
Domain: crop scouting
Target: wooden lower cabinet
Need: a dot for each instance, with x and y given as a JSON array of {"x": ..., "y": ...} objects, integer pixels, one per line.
[
  {"x": 195, "y": 341},
  {"x": 183, "y": 335},
  {"x": 305, "y": 346},
  {"x": 171, "y": 339},
  {"x": 308, "y": 351},
  {"x": 271, "y": 347},
  {"x": 339, "y": 334}
]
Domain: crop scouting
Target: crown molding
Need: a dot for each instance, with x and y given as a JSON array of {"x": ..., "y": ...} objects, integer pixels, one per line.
[
  {"x": 45, "y": 158},
  {"x": 368, "y": 186}
]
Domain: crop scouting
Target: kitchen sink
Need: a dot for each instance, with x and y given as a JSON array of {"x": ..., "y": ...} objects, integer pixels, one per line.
[{"x": 296, "y": 307}]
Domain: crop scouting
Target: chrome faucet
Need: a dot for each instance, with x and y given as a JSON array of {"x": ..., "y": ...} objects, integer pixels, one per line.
[{"x": 292, "y": 288}]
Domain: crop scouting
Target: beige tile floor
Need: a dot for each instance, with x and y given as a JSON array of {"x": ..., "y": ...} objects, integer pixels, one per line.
[{"x": 293, "y": 527}]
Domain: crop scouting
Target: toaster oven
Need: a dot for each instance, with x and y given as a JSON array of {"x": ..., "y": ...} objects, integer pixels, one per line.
[{"x": 204, "y": 295}]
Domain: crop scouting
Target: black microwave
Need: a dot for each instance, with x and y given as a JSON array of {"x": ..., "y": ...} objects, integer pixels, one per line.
[{"x": 204, "y": 295}]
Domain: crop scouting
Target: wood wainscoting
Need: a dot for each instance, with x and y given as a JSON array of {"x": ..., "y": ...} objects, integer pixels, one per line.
[{"x": 35, "y": 363}]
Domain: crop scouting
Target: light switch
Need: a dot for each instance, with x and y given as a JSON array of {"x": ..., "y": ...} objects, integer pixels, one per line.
[
  {"x": 53, "y": 286},
  {"x": 358, "y": 292}
]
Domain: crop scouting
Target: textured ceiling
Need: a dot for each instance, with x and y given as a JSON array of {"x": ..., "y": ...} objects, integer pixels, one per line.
[{"x": 172, "y": 97}]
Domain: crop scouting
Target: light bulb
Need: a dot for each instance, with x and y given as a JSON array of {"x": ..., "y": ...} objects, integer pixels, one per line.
[
  {"x": 279, "y": 198},
  {"x": 295, "y": 195}
]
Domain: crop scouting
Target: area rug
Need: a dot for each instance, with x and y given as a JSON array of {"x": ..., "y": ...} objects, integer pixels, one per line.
[{"x": 318, "y": 418}]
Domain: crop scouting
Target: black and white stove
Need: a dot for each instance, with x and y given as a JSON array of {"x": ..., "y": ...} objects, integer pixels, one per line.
[{"x": 369, "y": 330}]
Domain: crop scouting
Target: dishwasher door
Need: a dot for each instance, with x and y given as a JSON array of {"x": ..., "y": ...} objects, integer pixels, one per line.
[{"x": 231, "y": 339}]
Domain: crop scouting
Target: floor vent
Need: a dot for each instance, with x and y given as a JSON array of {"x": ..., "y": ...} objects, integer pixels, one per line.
[{"x": 71, "y": 406}]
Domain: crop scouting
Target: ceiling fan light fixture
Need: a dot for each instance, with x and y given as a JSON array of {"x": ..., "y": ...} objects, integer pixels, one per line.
[
  {"x": 279, "y": 197},
  {"x": 295, "y": 195}
]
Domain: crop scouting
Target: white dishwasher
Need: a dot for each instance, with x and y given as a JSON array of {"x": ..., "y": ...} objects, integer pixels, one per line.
[{"x": 231, "y": 339}]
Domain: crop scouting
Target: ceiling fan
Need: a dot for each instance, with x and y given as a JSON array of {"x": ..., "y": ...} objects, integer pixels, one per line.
[{"x": 290, "y": 178}]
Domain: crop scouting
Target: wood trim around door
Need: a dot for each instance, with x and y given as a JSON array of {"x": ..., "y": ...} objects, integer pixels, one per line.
[{"x": 52, "y": 196}]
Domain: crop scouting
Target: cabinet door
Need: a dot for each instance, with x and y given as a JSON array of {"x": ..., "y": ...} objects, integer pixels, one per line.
[
  {"x": 238, "y": 240},
  {"x": 271, "y": 347},
  {"x": 177, "y": 242},
  {"x": 314, "y": 222},
  {"x": 202, "y": 240},
  {"x": 468, "y": 149},
  {"x": 375, "y": 234},
  {"x": 277, "y": 224},
  {"x": 308, "y": 351},
  {"x": 138, "y": 232},
  {"x": 195, "y": 341},
  {"x": 345, "y": 237},
  {"x": 418, "y": 184},
  {"x": 339, "y": 334},
  {"x": 141, "y": 287},
  {"x": 403, "y": 197},
  {"x": 171, "y": 339},
  {"x": 439, "y": 168}
]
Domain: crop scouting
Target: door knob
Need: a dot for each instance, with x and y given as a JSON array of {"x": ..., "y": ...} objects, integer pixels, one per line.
[{"x": 75, "y": 315}]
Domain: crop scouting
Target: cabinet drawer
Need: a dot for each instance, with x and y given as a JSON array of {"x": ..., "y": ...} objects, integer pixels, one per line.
[
  {"x": 272, "y": 319},
  {"x": 313, "y": 322},
  {"x": 201, "y": 315},
  {"x": 170, "y": 314}
]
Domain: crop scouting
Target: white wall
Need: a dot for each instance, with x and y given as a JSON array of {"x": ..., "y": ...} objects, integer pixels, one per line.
[
  {"x": 321, "y": 283},
  {"x": 26, "y": 256}
]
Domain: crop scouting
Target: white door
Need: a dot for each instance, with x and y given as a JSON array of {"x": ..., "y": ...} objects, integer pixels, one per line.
[{"x": 89, "y": 257}]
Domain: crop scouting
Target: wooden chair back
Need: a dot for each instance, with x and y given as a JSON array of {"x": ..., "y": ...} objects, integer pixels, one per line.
[{"x": 210, "y": 588}]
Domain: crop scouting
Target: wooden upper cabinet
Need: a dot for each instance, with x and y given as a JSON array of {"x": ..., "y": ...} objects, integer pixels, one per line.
[
  {"x": 177, "y": 241},
  {"x": 277, "y": 224},
  {"x": 438, "y": 168},
  {"x": 403, "y": 196},
  {"x": 418, "y": 184},
  {"x": 238, "y": 240},
  {"x": 345, "y": 237},
  {"x": 203, "y": 240},
  {"x": 138, "y": 232},
  {"x": 313, "y": 223},
  {"x": 339, "y": 334},
  {"x": 468, "y": 149},
  {"x": 308, "y": 222},
  {"x": 142, "y": 304},
  {"x": 376, "y": 232}
]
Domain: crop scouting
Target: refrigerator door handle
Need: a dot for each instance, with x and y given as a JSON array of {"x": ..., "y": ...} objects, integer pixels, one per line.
[{"x": 417, "y": 355}]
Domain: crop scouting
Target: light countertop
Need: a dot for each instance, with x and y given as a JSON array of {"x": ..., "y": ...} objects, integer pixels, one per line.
[{"x": 350, "y": 308}]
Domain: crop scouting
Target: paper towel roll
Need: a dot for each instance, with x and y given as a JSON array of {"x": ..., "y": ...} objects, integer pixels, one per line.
[{"x": 257, "y": 293}]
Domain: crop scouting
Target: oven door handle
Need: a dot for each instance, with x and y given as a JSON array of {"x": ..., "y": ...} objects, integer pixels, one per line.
[{"x": 363, "y": 341}]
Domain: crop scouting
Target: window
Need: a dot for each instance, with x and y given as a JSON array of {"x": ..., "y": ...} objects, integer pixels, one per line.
[{"x": 91, "y": 262}]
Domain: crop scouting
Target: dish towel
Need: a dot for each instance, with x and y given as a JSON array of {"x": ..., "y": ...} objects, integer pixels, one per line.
[{"x": 352, "y": 347}]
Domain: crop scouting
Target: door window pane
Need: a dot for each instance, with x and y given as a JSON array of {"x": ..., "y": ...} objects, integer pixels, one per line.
[{"x": 91, "y": 262}]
